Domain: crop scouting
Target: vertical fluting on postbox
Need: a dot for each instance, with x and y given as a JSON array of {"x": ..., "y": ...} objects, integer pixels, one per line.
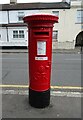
[{"x": 40, "y": 53}]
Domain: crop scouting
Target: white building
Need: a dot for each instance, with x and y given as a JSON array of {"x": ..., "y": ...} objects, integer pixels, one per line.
[{"x": 66, "y": 33}]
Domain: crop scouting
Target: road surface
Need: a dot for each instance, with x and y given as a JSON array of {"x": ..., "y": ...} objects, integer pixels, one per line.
[{"x": 66, "y": 69}]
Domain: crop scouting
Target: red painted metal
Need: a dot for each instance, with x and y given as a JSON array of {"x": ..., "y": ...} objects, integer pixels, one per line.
[{"x": 40, "y": 35}]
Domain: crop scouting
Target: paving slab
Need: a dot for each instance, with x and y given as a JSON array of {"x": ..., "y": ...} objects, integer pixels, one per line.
[{"x": 17, "y": 106}]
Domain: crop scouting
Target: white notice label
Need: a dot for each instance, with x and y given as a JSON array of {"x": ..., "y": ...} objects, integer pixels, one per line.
[
  {"x": 41, "y": 47},
  {"x": 41, "y": 58}
]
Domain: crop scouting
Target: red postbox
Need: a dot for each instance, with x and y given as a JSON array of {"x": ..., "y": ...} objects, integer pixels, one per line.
[{"x": 40, "y": 52}]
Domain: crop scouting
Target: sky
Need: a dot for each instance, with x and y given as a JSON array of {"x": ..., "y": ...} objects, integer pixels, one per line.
[{"x": 27, "y": 1}]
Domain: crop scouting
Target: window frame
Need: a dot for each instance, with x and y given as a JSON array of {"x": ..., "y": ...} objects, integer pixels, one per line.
[
  {"x": 15, "y": 34},
  {"x": 18, "y": 34},
  {"x": 21, "y": 34},
  {"x": 20, "y": 15},
  {"x": 79, "y": 16},
  {"x": 56, "y": 36},
  {"x": 56, "y": 12}
]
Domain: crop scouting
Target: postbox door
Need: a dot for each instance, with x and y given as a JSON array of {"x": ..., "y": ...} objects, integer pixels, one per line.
[{"x": 41, "y": 63}]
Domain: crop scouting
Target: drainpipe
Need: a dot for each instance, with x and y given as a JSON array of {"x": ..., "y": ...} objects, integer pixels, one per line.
[
  {"x": 7, "y": 27},
  {"x": 8, "y": 17},
  {"x": 7, "y": 34}
]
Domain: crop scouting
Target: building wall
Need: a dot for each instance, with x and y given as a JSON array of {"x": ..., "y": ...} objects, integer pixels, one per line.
[
  {"x": 18, "y": 41},
  {"x": 67, "y": 27},
  {"x": 13, "y": 15},
  {"x": 3, "y": 38},
  {"x": 72, "y": 28},
  {"x": 9, "y": 40},
  {"x": 3, "y": 17}
]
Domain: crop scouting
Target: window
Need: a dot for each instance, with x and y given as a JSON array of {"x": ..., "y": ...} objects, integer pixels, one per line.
[
  {"x": 56, "y": 13},
  {"x": 79, "y": 16},
  {"x": 55, "y": 36},
  {"x": 20, "y": 16},
  {"x": 21, "y": 34},
  {"x": 15, "y": 34},
  {"x": 18, "y": 34}
]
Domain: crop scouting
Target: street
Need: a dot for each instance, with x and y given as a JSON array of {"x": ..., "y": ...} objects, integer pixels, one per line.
[
  {"x": 66, "y": 73},
  {"x": 27, "y": 89},
  {"x": 66, "y": 69}
]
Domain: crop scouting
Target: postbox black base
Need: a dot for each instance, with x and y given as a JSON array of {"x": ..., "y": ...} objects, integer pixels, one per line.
[{"x": 39, "y": 99}]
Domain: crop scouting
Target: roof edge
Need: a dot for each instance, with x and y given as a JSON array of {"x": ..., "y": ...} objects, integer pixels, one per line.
[{"x": 36, "y": 6}]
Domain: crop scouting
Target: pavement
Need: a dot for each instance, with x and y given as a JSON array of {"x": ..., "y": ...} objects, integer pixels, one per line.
[
  {"x": 76, "y": 50},
  {"x": 62, "y": 105}
]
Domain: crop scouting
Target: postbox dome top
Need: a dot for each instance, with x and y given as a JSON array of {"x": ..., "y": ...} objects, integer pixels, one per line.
[{"x": 41, "y": 18}]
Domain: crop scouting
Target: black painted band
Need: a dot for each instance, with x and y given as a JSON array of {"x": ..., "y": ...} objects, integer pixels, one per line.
[{"x": 39, "y": 99}]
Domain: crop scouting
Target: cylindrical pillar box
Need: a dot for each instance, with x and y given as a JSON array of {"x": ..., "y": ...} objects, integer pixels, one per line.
[{"x": 40, "y": 51}]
